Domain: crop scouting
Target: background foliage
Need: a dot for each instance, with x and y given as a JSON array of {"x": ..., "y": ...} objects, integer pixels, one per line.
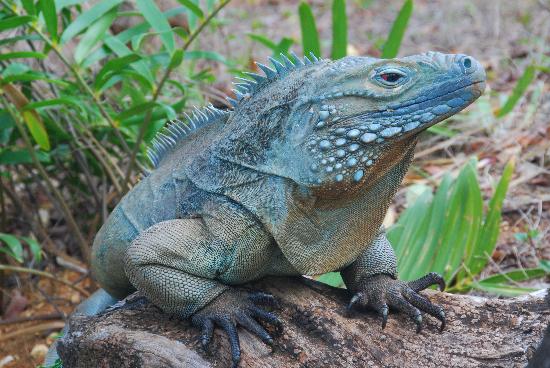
[{"x": 80, "y": 100}]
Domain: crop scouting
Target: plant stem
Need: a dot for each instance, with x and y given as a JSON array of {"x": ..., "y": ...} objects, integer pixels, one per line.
[
  {"x": 147, "y": 120},
  {"x": 44, "y": 274},
  {"x": 64, "y": 207},
  {"x": 78, "y": 78}
]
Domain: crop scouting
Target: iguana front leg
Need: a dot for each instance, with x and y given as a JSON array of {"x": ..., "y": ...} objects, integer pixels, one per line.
[
  {"x": 176, "y": 264},
  {"x": 373, "y": 280}
]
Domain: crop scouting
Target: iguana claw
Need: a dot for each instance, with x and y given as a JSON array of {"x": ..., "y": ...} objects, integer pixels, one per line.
[
  {"x": 233, "y": 308},
  {"x": 380, "y": 291}
]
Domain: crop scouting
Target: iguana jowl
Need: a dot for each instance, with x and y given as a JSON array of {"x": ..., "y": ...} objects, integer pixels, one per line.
[{"x": 295, "y": 180}]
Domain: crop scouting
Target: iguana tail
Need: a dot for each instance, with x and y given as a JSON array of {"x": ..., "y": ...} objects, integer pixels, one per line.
[{"x": 95, "y": 304}]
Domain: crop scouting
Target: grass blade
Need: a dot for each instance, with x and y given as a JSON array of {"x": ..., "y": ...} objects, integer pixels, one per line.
[
  {"x": 194, "y": 8},
  {"x": 339, "y": 29},
  {"x": 523, "y": 82},
  {"x": 391, "y": 47},
  {"x": 92, "y": 36},
  {"x": 490, "y": 229},
  {"x": 14, "y": 22},
  {"x": 88, "y": 17},
  {"x": 160, "y": 24},
  {"x": 50, "y": 17},
  {"x": 310, "y": 37}
]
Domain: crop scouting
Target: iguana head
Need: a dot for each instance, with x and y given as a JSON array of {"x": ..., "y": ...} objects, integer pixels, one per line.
[{"x": 334, "y": 126}]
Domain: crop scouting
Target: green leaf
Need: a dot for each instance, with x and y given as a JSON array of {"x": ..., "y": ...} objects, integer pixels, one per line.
[
  {"x": 120, "y": 49},
  {"x": 310, "y": 37},
  {"x": 158, "y": 21},
  {"x": 339, "y": 29},
  {"x": 29, "y": 7},
  {"x": 207, "y": 55},
  {"x": 36, "y": 128},
  {"x": 22, "y": 55},
  {"x": 545, "y": 265},
  {"x": 14, "y": 247},
  {"x": 35, "y": 248},
  {"x": 491, "y": 227},
  {"x": 88, "y": 17},
  {"x": 192, "y": 7},
  {"x": 176, "y": 59},
  {"x": 393, "y": 42},
  {"x": 515, "y": 275},
  {"x": 67, "y": 101},
  {"x": 93, "y": 35},
  {"x": 14, "y": 22},
  {"x": 521, "y": 86},
  {"x": 332, "y": 279},
  {"x": 50, "y": 17},
  {"x": 263, "y": 40},
  {"x": 113, "y": 66},
  {"x": 503, "y": 289},
  {"x": 22, "y": 156},
  {"x": 134, "y": 110}
]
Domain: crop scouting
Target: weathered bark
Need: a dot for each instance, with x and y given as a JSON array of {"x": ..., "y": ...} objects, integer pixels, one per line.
[{"x": 318, "y": 333}]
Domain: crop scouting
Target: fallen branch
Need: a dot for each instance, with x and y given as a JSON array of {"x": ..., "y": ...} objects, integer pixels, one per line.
[{"x": 318, "y": 333}]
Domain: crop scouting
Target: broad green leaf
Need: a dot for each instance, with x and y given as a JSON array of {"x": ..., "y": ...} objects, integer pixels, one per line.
[
  {"x": 85, "y": 20},
  {"x": 14, "y": 22},
  {"x": 158, "y": 21},
  {"x": 520, "y": 88},
  {"x": 22, "y": 55},
  {"x": 393, "y": 42},
  {"x": 545, "y": 265},
  {"x": 36, "y": 128},
  {"x": 14, "y": 247},
  {"x": 503, "y": 289},
  {"x": 9, "y": 40},
  {"x": 50, "y": 17},
  {"x": 491, "y": 226},
  {"x": 515, "y": 275},
  {"x": 22, "y": 156},
  {"x": 93, "y": 35},
  {"x": 339, "y": 29},
  {"x": 310, "y": 37},
  {"x": 192, "y": 7}
]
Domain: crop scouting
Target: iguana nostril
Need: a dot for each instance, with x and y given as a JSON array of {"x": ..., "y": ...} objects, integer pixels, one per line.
[{"x": 467, "y": 62}]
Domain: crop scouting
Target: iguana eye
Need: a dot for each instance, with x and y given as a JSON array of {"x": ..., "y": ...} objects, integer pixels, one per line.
[{"x": 391, "y": 77}]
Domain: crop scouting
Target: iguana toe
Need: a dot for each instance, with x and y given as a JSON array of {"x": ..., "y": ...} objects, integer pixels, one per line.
[
  {"x": 381, "y": 292},
  {"x": 233, "y": 308}
]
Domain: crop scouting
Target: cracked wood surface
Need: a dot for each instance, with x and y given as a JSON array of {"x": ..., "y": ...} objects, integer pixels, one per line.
[{"x": 318, "y": 332}]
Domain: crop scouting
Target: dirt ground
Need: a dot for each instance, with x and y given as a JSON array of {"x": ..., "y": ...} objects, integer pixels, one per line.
[{"x": 504, "y": 35}]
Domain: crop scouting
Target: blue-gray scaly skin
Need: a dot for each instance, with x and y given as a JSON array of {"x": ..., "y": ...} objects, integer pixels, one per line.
[{"x": 295, "y": 180}]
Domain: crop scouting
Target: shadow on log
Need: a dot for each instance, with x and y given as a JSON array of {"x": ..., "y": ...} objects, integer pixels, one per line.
[{"x": 317, "y": 333}]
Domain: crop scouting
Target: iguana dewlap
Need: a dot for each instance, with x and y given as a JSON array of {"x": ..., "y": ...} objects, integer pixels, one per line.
[{"x": 296, "y": 179}]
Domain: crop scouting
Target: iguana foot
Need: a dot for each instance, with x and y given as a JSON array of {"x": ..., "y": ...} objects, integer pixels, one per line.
[
  {"x": 382, "y": 291},
  {"x": 232, "y": 308}
]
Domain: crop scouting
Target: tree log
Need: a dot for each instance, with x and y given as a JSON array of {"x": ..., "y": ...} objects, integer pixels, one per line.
[{"x": 318, "y": 332}]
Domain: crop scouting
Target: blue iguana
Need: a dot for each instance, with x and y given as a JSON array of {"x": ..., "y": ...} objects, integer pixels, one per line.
[{"x": 294, "y": 180}]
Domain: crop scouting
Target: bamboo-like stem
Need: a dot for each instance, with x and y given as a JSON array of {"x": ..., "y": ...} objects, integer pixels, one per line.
[
  {"x": 64, "y": 206},
  {"x": 77, "y": 76},
  {"x": 147, "y": 120},
  {"x": 44, "y": 274}
]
